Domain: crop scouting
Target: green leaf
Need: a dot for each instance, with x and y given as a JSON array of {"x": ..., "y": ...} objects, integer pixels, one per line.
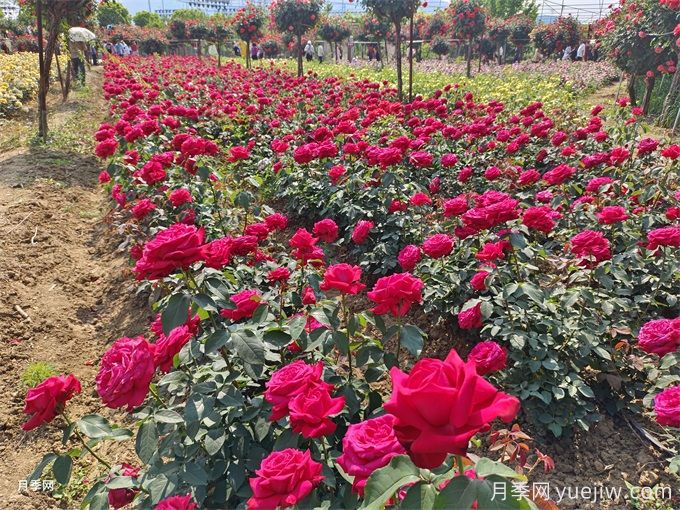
[
  {"x": 147, "y": 441},
  {"x": 486, "y": 467},
  {"x": 167, "y": 416},
  {"x": 411, "y": 338},
  {"x": 120, "y": 482},
  {"x": 62, "y": 469},
  {"x": 176, "y": 312},
  {"x": 214, "y": 440},
  {"x": 297, "y": 326},
  {"x": 216, "y": 341},
  {"x": 248, "y": 346},
  {"x": 460, "y": 493},
  {"x": 94, "y": 426},
  {"x": 384, "y": 482},
  {"x": 38, "y": 471},
  {"x": 534, "y": 293},
  {"x": 420, "y": 496}
]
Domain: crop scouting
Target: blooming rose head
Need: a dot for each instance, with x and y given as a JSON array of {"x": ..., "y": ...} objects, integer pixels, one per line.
[
  {"x": 217, "y": 253},
  {"x": 125, "y": 373},
  {"x": 438, "y": 246},
  {"x": 591, "y": 246},
  {"x": 309, "y": 411},
  {"x": 465, "y": 405},
  {"x": 361, "y": 231},
  {"x": 368, "y": 446},
  {"x": 118, "y": 498},
  {"x": 344, "y": 278},
  {"x": 284, "y": 479},
  {"x": 46, "y": 400},
  {"x": 667, "y": 407},
  {"x": 167, "y": 346},
  {"x": 664, "y": 236},
  {"x": 246, "y": 302},
  {"x": 470, "y": 318},
  {"x": 478, "y": 281},
  {"x": 290, "y": 381},
  {"x": 176, "y": 503},
  {"x": 408, "y": 257},
  {"x": 660, "y": 336},
  {"x": 611, "y": 214},
  {"x": 488, "y": 357},
  {"x": 326, "y": 230},
  {"x": 176, "y": 247},
  {"x": 396, "y": 293},
  {"x": 541, "y": 218}
]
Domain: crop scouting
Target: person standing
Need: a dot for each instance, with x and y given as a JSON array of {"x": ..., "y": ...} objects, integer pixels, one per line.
[
  {"x": 237, "y": 49},
  {"x": 309, "y": 51},
  {"x": 77, "y": 65},
  {"x": 254, "y": 51},
  {"x": 567, "y": 53},
  {"x": 320, "y": 52},
  {"x": 581, "y": 52}
]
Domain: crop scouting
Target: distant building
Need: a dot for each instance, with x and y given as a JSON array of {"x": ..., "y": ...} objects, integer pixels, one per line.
[{"x": 9, "y": 8}]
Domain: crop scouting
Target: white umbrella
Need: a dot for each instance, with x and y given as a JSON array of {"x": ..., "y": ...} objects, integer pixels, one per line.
[{"x": 80, "y": 34}]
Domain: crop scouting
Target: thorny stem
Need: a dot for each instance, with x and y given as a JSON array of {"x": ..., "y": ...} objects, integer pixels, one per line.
[
  {"x": 345, "y": 316},
  {"x": 218, "y": 208},
  {"x": 82, "y": 440},
  {"x": 461, "y": 466},
  {"x": 157, "y": 396}
]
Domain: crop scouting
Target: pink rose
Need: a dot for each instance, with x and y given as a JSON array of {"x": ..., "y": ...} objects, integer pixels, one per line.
[
  {"x": 46, "y": 400},
  {"x": 176, "y": 247},
  {"x": 396, "y": 293},
  {"x": 290, "y": 381},
  {"x": 660, "y": 336},
  {"x": 309, "y": 411},
  {"x": 488, "y": 357},
  {"x": 470, "y": 318},
  {"x": 408, "y": 257},
  {"x": 246, "y": 302},
  {"x": 438, "y": 246},
  {"x": 361, "y": 231},
  {"x": 667, "y": 407}
]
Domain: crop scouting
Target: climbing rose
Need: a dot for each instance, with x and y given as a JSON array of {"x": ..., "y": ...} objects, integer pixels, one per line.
[
  {"x": 438, "y": 246},
  {"x": 368, "y": 446},
  {"x": 309, "y": 411},
  {"x": 290, "y": 381},
  {"x": 246, "y": 302},
  {"x": 396, "y": 293},
  {"x": 176, "y": 247},
  {"x": 343, "y": 278},
  {"x": 470, "y": 318},
  {"x": 125, "y": 373},
  {"x": 488, "y": 357},
  {"x": 660, "y": 336},
  {"x": 284, "y": 479},
  {"x": 45, "y": 401},
  {"x": 465, "y": 405}
]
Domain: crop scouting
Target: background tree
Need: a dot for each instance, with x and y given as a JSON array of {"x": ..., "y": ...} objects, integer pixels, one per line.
[
  {"x": 112, "y": 13},
  {"x": 148, "y": 19},
  {"x": 376, "y": 29},
  {"x": 296, "y": 17},
  {"x": 468, "y": 22},
  {"x": 333, "y": 30},
  {"x": 219, "y": 31},
  {"x": 440, "y": 47},
  {"x": 188, "y": 14},
  {"x": 499, "y": 33},
  {"x": 505, "y": 8},
  {"x": 396, "y": 11},
  {"x": 247, "y": 23},
  {"x": 198, "y": 30},
  {"x": 552, "y": 38},
  {"x": 520, "y": 27}
]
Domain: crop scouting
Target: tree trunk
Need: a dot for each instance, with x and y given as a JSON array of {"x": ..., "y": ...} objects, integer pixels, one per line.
[
  {"x": 219, "y": 56},
  {"x": 671, "y": 97},
  {"x": 300, "y": 70},
  {"x": 647, "y": 99},
  {"x": 42, "y": 88},
  {"x": 248, "y": 62},
  {"x": 410, "y": 60},
  {"x": 198, "y": 48},
  {"x": 387, "y": 52},
  {"x": 631, "y": 90},
  {"x": 469, "y": 58},
  {"x": 400, "y": 81}
]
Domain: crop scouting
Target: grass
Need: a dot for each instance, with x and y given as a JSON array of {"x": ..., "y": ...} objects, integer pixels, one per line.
[{"x": 37, "y": 372}]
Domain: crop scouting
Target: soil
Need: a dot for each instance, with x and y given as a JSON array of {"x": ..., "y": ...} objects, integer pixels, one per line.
[{"x": 65, "y": 294}]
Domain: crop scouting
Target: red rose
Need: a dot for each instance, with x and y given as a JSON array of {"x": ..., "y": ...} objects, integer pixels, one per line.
[
  {"x": 540, "y": 218},
  {"x": 647, "y": 145},
  {"x": 176, "y": 247},
  {"x": 217, "y": 254},
  {"x": 667, "y": 407},
  {"x": 309, "y": 411},
  {"x": 106, "y": 148},
  {"x": 660, "y": 336},
  {"x": 559, "y": 174},
  {"x": 361, "y": 231},
  {"x": 396, "y": 293},
  {"x": 671, "y": 152},
  {"x": 611, "y": 214},
  {"x": 45, "y": 401},
  {"x": 166, "y": 347},
  {"x": 326, "y": 230},
  {"x": 308, "y": 296},
  {"x": 104, "y": 177},
  {"x": 142, "y": 208},
  {"x": 408, "y": 257},
  {"x": 238, "y": 153},
  {"x": 336, "y": 172},
  {"x": 493, "y": 251},
  {"x": 280, "y": 274},
  {"x": 290, "y": 381},
  {"x": 591, "y": 246},
  {"x": 465, "y": 405},
  {"x": 125, "y": 373},
  {"x": 343, "y": 278},
  {"x": 284, "y": 479},
  {"x": 258, "y": 230},
  {"x": 449, "y": 160},
  {"x": 478, "y": 281},
  {"x": 420, "y": 199},
  {"x": 276, "y": 221},
  {"x": 455, "y": 206},
  {"x": 470, "y": 318},
  {"x": 438, "y": 246},
  {"x": 180, "y": 196},
  {"x": 421, "y": 159},
  {"x": 246, "y": 302},
  {"x": 488, "y": 357},
  {"x": 302, "y": 241},
  {"x": 368, "y": 446},
  {"x": 176, "y": 503},
  {"x": 118, "y": 498},
  {"x": 243, "y": 245},
  {"x": 665, "y": 236}
]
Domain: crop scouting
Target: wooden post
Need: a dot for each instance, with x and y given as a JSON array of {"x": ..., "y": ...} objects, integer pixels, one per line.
[{"x": 410, "y": 59}]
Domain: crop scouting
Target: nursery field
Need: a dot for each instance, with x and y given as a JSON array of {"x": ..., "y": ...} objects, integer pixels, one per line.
[{"x": 282, "y": 292}]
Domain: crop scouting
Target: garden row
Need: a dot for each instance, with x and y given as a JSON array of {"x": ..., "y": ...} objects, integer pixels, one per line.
[{"x": 543, "y": 248}]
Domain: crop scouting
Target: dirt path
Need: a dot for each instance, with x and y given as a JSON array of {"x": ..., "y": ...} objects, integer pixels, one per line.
[{"x": 58, "y": 265}]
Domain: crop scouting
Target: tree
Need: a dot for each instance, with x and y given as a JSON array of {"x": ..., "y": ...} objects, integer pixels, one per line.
[
  {"x": 296, "y": 17},
  {"x": 188, "y": 15},
  {"x": 552, "y": 38},
  {"x": 396, "y": 11},
  {"x": 247, "y": 23},
  {"x": 148, "y": 19},
  {"x": 334, "y": 30},
  {"x": 469, "y": 21},
  {"x": 520, "y": 27},
  {"x": 505, "y": 8},
  {"x": 112, "y": 13}
]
